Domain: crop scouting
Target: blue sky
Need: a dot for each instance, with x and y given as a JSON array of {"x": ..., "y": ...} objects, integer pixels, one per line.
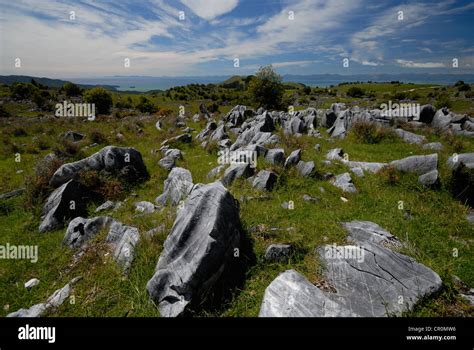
[{"x": 297, "y": 37}]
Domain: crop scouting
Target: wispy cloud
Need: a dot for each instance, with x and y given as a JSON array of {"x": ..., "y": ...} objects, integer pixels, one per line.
[
  {"x": 411, "y": 64},
  {"x": 300, "y": 34}
]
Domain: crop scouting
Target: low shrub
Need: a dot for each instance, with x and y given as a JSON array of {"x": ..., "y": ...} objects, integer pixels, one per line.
[{"x": 368, "y": 132}]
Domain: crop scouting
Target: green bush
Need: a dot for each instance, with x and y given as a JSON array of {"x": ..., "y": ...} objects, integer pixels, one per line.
[
  {"x": 3, "y": 112},
  {"x": 71, "y": 89},
  {"x": 355, "y": 91},
  {"x": 371, "y": 133},
  {"x": 145, "y": 105},
  {"x": 101, "y": 98},
  {"x": 266, "y": 89},
  {"x": 21, "y": 91}
]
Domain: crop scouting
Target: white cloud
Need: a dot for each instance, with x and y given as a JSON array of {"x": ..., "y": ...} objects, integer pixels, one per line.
[
  {"x": 210, "y": 9},
  {"x": 291, "y": 63},
  {"x": 412, "y": 64}
]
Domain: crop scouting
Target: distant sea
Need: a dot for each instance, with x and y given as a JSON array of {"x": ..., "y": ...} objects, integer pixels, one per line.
[{"x": 145, "y": 83}]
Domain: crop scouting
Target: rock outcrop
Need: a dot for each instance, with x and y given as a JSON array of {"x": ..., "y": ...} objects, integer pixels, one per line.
[{"x": 206, "y": 248}]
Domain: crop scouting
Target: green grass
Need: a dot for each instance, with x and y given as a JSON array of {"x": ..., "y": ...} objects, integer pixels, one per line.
[{"x": 437, "y": 226}]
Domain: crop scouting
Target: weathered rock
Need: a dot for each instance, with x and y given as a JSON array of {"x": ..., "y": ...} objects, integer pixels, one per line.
[
  {"x": 470, "y": 217},
  {"x": 456, "y": 160},
  {"x": 278, "y": 253},
  {"x": 293, "y": 158},
  {"x": 253, "y": 136},
  {"x": 208, "y": 130},
  {"x": 167, "y": 163},
  {"x": 264, "y": 180},
  {"x": 317, "y": 147},
  {"x": 458, "y": 118},
  {"x": 441, "y": 120},
  {"x": 369, "y": 287},
  {"x": 305, "y": 168},
  {"x": 105, "y": 206},
  {"x": 145, "y": 207},
  {"x": 417, "y": 164},
  {"x": 468, "y": 125},
  {"x": 177, "y": 187},
  {"x": 13, "y": 193},
  {"x": 429, "y": 179},
  {"x": 32, "y": 283},
  {"x": 344, "y": 182},
  {"x": 122, "y": 161},
  {"x": 72, "y": 136},
  {"x": 308, "y": 198},
  {"x": 367, "y": 231},
  {"x": 200, "y": 252},
  {"x": 184, "y": 138},
  {"x": 218, "y": 134},
  {"x": 335, "y": 154},
  {"x": 65, "y": 202},
  {"x": 435, "y": 146},
  {"x": 294, "y": 126},
  {"x": 236, "y": 171},
  {"x": 292, "y": 295},
  {"x": 81, "y": 230},
  {"x": 123, "y": 240},
  {"x": 358, "y": 171},
  {"x": 275, "y": 156},
  {"x": 374, "y": 285},
  {"x": 173, "y": 153},
  {"x": 226, "y": 143},
  {"x": 462, "y": 184},
  {"x": 410, "y": 137},
  {"x": 54, "y": 301},
  {"x": 427, "y": 112},
  {"x": 366, "y": 166},
  {"x": 215, "y": 172}
]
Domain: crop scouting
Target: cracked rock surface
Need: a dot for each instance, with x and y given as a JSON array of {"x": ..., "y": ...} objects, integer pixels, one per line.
[
  {"x": 200, "y": 251},
  {"x": 377, "y": 282}
]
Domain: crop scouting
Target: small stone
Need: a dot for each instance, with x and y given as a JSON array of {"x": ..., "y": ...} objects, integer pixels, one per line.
[
  {"x": 32, "y": 283},
  {"x": 144, "y": 207},
  {"x": 308, "y": 198},
  {"x": 105, "y": 206},
  {"x": 278, "y": 253}
]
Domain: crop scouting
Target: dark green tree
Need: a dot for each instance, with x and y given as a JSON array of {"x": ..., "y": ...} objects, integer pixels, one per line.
[
  {"x": 101, "y": 98},
  {"x": 266, "y": 88}
]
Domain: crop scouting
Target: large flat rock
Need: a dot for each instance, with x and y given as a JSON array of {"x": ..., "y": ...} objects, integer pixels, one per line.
[
  {"x": 292, "y": 295},
  {"x": 367, "y": 278},
  {"x": 417, "y": 164}
]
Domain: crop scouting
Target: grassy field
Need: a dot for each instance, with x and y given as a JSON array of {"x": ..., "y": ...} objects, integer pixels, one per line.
[{"x": 435, "y": 228}]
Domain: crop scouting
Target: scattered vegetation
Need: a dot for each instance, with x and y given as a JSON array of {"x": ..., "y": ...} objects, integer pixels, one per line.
[{"x": 368, "y": 132}]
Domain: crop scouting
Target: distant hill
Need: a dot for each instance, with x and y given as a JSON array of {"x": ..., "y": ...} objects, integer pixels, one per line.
[
  {"x": 52, "y": 83},
  {"x": 236, "y": 82}
]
